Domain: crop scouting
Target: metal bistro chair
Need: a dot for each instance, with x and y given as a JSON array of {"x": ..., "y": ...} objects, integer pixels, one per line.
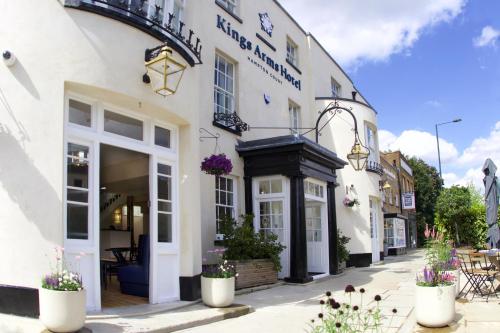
[{"x": 483, "y": 275}]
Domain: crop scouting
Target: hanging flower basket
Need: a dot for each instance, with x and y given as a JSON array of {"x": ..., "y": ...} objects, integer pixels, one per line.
[
  {"x": 217, "y": 165},
  {"x": 348, "y": 202}
]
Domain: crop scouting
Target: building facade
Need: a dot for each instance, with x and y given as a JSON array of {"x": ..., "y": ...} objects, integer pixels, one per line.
[
  {"x": 401, "y": 207},
  {"x": 92, "y": 158}
]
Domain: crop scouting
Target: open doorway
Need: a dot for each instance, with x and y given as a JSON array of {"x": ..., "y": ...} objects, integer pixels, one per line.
[{"x": 124, "y": 227}]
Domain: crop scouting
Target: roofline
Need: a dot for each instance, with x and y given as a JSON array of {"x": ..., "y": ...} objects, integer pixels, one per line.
[
  {"x": 320, "y": 98},
  {"x": 308, "y": 34},
  {"x": 290, "y": 17}
]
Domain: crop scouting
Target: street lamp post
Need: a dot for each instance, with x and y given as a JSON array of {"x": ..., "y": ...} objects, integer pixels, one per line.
[
  {"x": 437, "y": 140},
  {"x": 439, "y": 161}
]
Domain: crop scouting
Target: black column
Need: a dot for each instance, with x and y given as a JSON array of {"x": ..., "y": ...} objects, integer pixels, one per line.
[
  {"x": 298, "y": 241},
  {"x": 248, "y": 195},
  {"x": 332, "y": 229}
]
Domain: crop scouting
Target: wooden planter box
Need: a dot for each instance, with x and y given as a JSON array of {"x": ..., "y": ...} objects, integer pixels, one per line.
[{"x": 256, "y": 272}]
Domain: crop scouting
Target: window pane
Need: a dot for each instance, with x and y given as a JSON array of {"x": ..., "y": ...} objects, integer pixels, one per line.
[
  {"x": 164, "y": 206},
  {"x": 122, "y": 125},
  {"x": 164, "y": 228},
  {"x": 77, "y": 195},
  {"x": 164, "y": 188},
  {"x": 79, "y": 113},
  {"x": 276, "y": 186},
  {"x": 77, "y": 217},
  {"x": 162, "y": 137},
  {"x": 165, "y": 169},
  {"x": 78, "y": 171},
  {"x": 264, "y": 187},
  {"x": 79, "y": 151}
]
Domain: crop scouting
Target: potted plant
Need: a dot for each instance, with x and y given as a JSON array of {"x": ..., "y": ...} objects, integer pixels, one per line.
[
  {"x": 435, "y": 288},
  {"x": 452, "y": 266},
  {"x": 251, "y": 252},
  {"x": 218, "y": 283},
  {"x": 62, "y": 298},
  {"x": 348, "y": 202},
  {"x": 342, "y": 250},
  {"x": 217, "y": 165}
]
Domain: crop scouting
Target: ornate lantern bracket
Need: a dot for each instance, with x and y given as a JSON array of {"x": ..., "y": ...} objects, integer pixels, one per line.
[{"x": 359, "y": 152}]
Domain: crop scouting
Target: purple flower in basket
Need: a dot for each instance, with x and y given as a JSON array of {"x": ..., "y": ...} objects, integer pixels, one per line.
[{"x": 217, "y": 165}]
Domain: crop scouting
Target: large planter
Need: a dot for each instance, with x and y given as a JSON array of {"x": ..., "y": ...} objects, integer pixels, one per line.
[
  {"x": 217, "y": 292},
  {"x": 456, "y": 273},
  {"x": 62, "y": 311},
  {"x": 255, "y": 272},
  {"x": 435, "y": 306}
]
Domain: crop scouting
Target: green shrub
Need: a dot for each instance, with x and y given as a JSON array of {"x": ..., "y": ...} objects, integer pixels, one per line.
[
  {"x": 243, "y": 243},
  {"x": 342, "y": 241}
]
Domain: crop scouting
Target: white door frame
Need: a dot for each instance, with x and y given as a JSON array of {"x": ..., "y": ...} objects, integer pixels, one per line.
[
  {"x": 374, "y": 229},
  {"x": 93, "y": 137},
  {"x": 284, "y": 196},
  {"x": 323, "y": 200}
]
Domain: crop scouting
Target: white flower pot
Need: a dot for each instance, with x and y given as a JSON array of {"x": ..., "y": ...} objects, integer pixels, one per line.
[
  {"x": 435, "y": 306},
  {"x": 456, "y": 273},
  {"x": 62, "y": 311},
  {"x": 217, "y": 293}
]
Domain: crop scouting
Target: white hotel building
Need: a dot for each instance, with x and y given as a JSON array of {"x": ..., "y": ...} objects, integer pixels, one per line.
[{"x": 84, "y": 140}]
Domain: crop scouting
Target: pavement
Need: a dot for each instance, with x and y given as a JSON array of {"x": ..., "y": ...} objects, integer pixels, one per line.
[{"x": 289, "y": 308}]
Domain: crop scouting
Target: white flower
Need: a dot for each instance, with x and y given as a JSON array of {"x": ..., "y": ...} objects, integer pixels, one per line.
[
  {"x": 60, "y": 278},
  {"x": 236, "y": 275},
  {"x": 79, "y": 288}
]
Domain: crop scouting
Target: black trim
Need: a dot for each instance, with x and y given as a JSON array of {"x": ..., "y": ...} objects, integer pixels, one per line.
[
  {"x": 229, "y": 129},
  {"x": 190, "y": 287},
  {"x": 233, "y": 15},
  {"x": 248, "y": 195},
  {"x": 359, "y": 260},
  {"x": 397, "y": 251},
  {"x": 394, "y": 215},
  {"x": 263, "y": 40},
  {"x": 332, "y": 229},
  {"x": 293, "y": 66},
  {"x": 20, "y": 301},
  {"x": 346, "y": 100}
]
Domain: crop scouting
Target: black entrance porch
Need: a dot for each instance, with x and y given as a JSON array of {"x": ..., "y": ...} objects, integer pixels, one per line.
[{"x": 297, "y": 158}]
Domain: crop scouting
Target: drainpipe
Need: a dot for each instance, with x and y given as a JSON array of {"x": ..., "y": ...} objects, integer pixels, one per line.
[{"x": 354, "y": 93}]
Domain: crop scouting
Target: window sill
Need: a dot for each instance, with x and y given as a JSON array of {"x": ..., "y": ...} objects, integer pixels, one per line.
[
  {"x": 233, "y": 15},
  {"x": 293, "y": 66},
  {"x": 229, "y": 129}
]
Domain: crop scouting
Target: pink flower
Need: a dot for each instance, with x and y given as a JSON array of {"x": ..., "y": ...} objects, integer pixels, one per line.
[
  {"x": 78, "y": 257},
  {"x": 433, "y": 233},
  {"x": 82, "y": 254},
  {"x": 427, "y": 232}
]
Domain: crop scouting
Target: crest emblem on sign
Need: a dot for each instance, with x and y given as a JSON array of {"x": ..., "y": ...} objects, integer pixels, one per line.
[{"x": 266, "y": 24}]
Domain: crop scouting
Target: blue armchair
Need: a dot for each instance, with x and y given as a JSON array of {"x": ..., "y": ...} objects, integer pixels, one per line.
[{"x": 134, "y": 279}]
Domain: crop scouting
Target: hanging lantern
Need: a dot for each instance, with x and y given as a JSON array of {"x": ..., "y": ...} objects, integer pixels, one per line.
[
  {"x": 164, "y": 73},
  {"x": 358, "y": 156}
]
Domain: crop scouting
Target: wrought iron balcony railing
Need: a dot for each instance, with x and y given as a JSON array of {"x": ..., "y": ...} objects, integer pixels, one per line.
[
  {"x": 149, "y": 17},
  {"x": 230, "y": 121},
  {"x": 375, "y": 167}
]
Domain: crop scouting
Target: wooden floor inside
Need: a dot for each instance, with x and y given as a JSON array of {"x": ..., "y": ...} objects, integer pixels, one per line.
[{"x": 113, "y": 298}]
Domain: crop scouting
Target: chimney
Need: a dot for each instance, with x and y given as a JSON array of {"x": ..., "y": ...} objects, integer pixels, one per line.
[{"x": 354, "y": 93}]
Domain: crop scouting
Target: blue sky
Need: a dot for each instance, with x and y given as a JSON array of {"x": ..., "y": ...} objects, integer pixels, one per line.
[{"x": 420, "y": 63}]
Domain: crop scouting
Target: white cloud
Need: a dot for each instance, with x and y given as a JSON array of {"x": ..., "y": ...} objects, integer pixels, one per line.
[
  {"x": 355, "y": 31},
  {"x": 483, "y": 148},
  {"x": 420, "y": 144},
  {"x": 433, "y": 103},
  {"x": 488, "y": 37},
  {"x": 472, "y": 176}
]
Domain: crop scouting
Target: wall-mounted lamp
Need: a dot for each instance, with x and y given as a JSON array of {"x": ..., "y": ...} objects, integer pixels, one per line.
[
  {"x": 358, "y": 155},
  {"x": 384, "y": 185},
  {"x": 163, "y": 72},
  {"x": 117, "y": 216},
  {"x": 9, "y": 58}
]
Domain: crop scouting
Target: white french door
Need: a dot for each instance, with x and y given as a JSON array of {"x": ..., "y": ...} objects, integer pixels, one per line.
[
  {"x": 374, "y": 230},
  {"x": 164, "y": 237},
  {"x": 271, "y": 210},
  {"x": 316, "y": 226},
  {"x": 315, "y": 234}
]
